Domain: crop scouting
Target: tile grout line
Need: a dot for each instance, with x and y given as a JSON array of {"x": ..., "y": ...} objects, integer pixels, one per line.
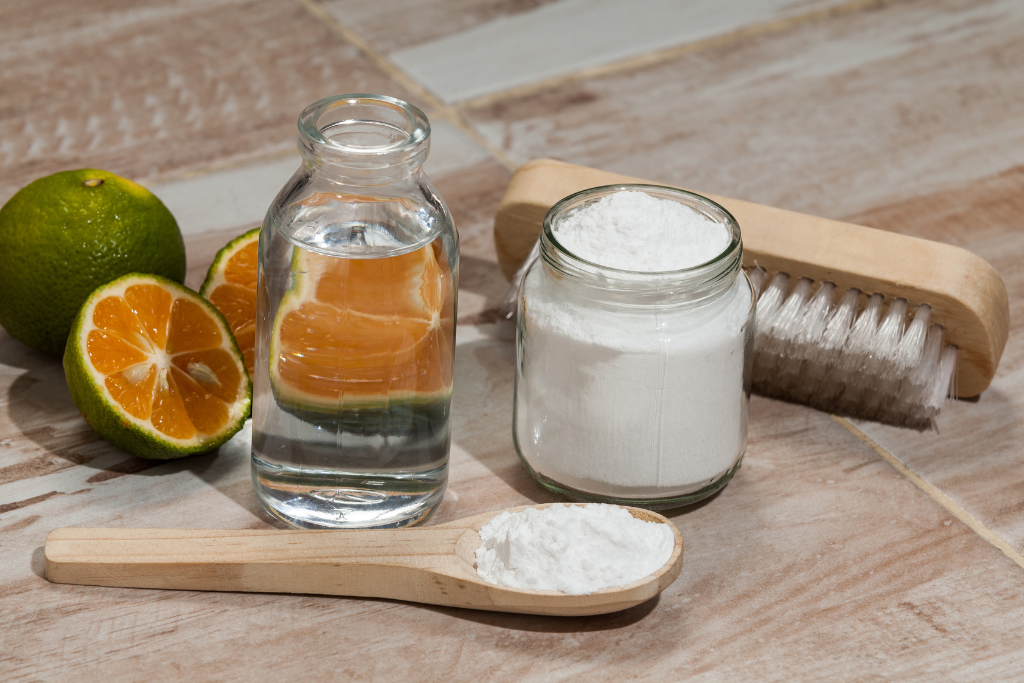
[
  {"x": 449, "y": 113},
  {"x": 220, "y": 166},
  {"x": 666, "y": 54},
  {"x": 972, "y": 522}
]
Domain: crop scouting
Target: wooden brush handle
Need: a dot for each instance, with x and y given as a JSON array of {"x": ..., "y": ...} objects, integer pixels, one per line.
[
  {"x": 965, "y": 292},
  {"x": 420, "y": 565}
]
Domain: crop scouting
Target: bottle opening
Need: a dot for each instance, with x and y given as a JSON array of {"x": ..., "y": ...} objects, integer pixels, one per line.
[
  {"x": 364, "y": 135},
  {"x": 696, "y": 282}
]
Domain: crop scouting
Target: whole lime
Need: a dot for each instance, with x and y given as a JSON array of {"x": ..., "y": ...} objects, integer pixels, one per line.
[{"x": 64, "y": 235}]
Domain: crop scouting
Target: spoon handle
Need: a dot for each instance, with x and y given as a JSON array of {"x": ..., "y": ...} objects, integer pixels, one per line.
[{"x": 405, "y": 564}]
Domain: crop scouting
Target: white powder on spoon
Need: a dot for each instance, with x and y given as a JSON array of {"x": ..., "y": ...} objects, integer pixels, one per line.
[{"x": 573, "y": 549}]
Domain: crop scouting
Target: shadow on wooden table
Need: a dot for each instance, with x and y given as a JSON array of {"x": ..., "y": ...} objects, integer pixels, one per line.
[
  {"x": 483, "y": 277},
  {"x": 542, "y": 624},
  {"x": 38, "y": 562},
  {"x": 40, "y": 407}
]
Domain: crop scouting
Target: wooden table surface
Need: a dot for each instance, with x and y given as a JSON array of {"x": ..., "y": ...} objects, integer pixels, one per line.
[{"x": 840, "y": 551}]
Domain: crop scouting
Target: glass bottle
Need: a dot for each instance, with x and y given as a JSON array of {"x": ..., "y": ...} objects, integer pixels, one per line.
[
  {"x": 355, "y": 330},
  {"x": 632, "y": 387}
]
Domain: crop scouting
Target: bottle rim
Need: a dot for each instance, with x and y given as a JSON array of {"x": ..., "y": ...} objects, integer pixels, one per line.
[{"x": 404, "y": 129}]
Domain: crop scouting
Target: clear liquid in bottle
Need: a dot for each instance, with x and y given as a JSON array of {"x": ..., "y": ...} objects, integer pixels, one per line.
[{"x": 354, "y": 351}]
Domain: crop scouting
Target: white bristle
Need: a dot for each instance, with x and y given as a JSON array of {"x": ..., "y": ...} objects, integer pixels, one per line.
[
  {"x": 921, "y": 375},
  {"x": 804, "y": 337},
  {"x": 768, "y": 305},
  {"x": 912, "y": 344},
  {"x": 837, "y": 329},
  {"x": 757, "y": 277},
  {"x": 793, "y": 379},
  {"x": 785, "y": 327},
  {"x": 881, "y": 362},
  {"x": 871, "y": 364},
  {"x": 943, "y": 380}
]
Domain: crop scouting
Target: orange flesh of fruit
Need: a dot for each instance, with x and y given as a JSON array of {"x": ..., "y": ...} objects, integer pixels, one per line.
[
  {"x": 366, "y": 330},
  {"x": 236, "y": 299},
  {"x": 163, "y": 362}
]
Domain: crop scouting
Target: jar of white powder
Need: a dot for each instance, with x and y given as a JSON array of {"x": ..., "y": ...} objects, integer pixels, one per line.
[{"x": 634, "y": 347}]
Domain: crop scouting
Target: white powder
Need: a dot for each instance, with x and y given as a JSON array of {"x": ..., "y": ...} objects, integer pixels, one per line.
[
  {"x": 638, "y": 232},
  {"x": 641, "y": 402},
  {"x": 574, "y": 549}
]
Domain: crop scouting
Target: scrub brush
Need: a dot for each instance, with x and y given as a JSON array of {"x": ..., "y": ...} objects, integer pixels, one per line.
[{"x": 850, "y": 320}]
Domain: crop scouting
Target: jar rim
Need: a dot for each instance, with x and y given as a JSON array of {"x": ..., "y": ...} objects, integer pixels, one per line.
[
  {"x": 579, "y": 198},
  {"x": 693, "y": 283}
]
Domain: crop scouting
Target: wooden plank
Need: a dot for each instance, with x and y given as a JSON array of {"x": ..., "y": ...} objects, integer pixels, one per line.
[
  {"x": 852, "y": 574},
  {"x": 569, "y": 35},
  {"x": 404, "y": 23},
  {"x": 830, "y": 117},
  {"x": 155, "y": 87}
]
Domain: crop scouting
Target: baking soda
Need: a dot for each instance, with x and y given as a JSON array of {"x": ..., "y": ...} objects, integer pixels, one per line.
[
  {"x": 572, "y": 549},
  {"x": 634, "y": 402},
  {"x": 635, "y": 231}
]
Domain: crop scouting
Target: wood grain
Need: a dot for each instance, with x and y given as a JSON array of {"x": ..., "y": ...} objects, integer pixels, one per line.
[
  {"x": 569, "y": 36},
  {"x": 829, "y": 118},
  {"x": 158, "y": 87},
  {"x": 403, "y": 23}
]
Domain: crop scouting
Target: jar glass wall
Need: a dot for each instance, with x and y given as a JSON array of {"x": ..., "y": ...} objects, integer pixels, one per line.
[
  {"x": 632, "y": 387},
  {"x": 355, "y": 330}
]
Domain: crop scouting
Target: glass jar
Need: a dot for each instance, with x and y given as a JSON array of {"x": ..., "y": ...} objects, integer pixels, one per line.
[
  {"x": 355, "y": 330},
  {"x": 632, "y": 387}
]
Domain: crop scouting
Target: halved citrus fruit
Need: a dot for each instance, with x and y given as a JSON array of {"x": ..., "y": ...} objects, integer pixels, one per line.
[
  {"x": 352, "y": 333},
  {"x": 154, "y": 369},
  {"x": 231, "y": 286}
]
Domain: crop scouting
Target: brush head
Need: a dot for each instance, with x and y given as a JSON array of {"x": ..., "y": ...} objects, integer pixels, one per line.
[{"x": 859, "y": 356}]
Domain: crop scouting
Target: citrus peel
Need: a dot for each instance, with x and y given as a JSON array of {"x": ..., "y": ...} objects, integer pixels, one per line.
[
  {"x": 231, "y": 286},
  {"x": 154, "y": 369}
]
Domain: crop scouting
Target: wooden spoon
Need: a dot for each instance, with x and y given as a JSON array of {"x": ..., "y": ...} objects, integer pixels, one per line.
[{"x": 434, "y": 565}]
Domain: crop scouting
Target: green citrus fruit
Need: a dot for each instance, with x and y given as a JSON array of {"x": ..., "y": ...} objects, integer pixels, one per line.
[
  {"x": 64, "y": 235},
  {"x": 153, "y": 368}
]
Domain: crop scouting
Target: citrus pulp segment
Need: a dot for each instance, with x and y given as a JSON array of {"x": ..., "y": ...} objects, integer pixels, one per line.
[
  {"x": 364, "y": 333},
  {"x": 154, "y": 369},
  {"x": 231, "y": 286}
]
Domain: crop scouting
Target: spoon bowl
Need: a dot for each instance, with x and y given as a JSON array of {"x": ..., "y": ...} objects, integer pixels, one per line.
[{"x": 433, "y": 565}]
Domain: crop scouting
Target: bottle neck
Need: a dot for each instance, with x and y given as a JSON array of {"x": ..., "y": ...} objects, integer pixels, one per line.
[{"x": 362, "y": 139}]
